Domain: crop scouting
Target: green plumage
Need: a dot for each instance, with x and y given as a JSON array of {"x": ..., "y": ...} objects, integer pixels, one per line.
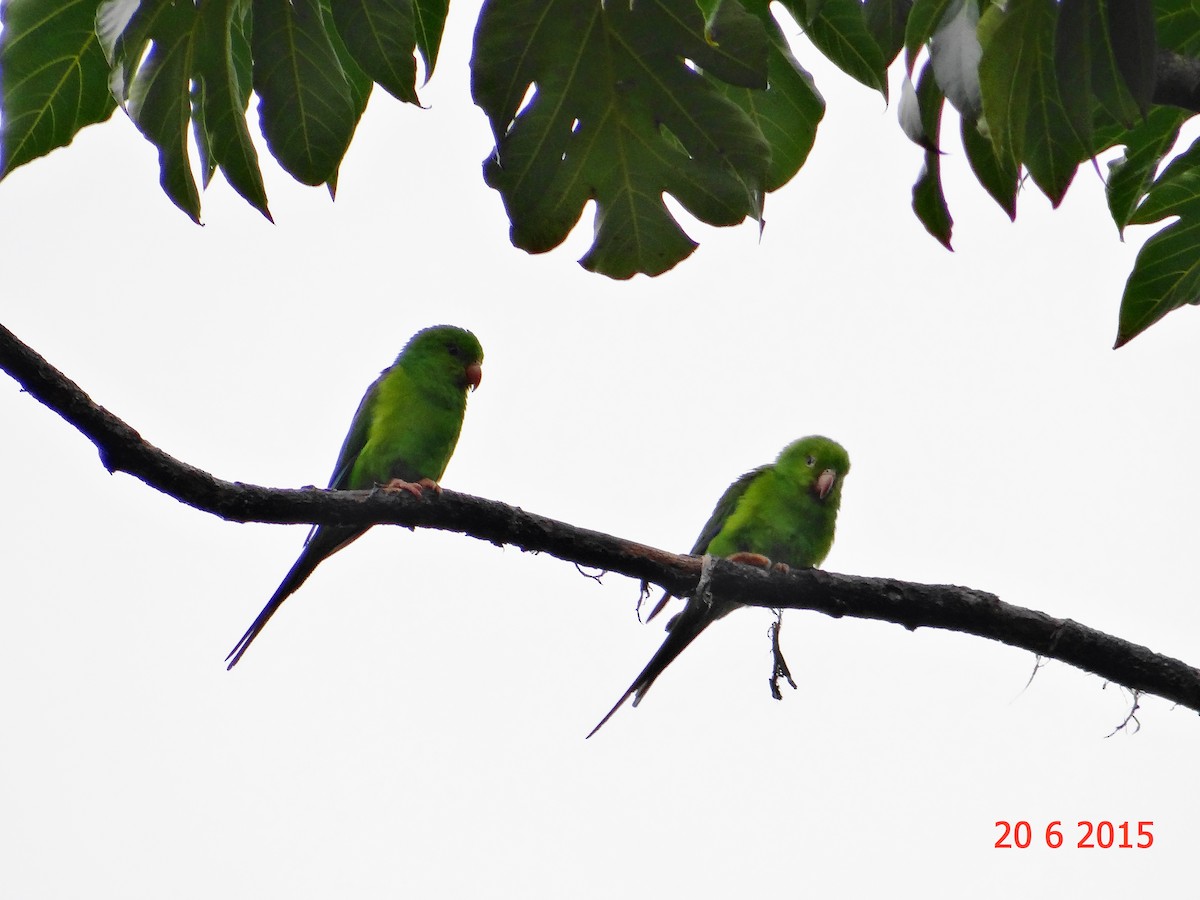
[
  {"x": 785, "y": 511},
  {"x": 405, "y": 430}
]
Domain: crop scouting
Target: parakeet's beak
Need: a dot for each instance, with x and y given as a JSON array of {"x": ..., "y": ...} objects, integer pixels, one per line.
[
  {"x": 473, "y": 376},
  {"x": 824, "y": 483}
]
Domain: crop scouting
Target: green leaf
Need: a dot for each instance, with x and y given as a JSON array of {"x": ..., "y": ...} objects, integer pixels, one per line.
[
  {"x": 928, "y": 200},
  {"x": 1172, "y": 190},
  {"x": 999, "y": 175},
  {"x": 208, "y": 165},
  {"x": 53, "y": 77},
  {"x": 887, "y": 20},
  {"x": 1078, "y": 21},
  {"x": 357, "y": 81},
  {"x": 124, "y": 30},
  {"x": 1135, "y": 47},
  {"x": 430, "y": 21},
  {"x": 839, "y": 30},
  {"x": 1006, "y": 72},
  {"x": 305, "y": 105},
  {"x": 381, "y": 36},
  {"x": 1145, "y": 147},
  {"x": 1108, "y": 82},
  {"x": 1166, "y": 273},
  {"x": 1087, "y": 70},
  {"x": 1178, "y": 25},
  {"x": 160, "y": 101},
  {"x": 617, "y": 117},
  {"x": 788, "y": 111},
  {"x": 1053, "y": 151},
  {"x": 923, "y": 21},
  {"x": 1025, "y": 116},
  {"x": 223, "y": 71}
]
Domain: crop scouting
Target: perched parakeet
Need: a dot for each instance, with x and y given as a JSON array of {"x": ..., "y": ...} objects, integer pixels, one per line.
[
  {"x": 400, "y": 439},
  {"x": 783, "y": 513}
]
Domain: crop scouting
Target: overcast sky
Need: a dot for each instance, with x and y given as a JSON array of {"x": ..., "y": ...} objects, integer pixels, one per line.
[{"x": 414, "y": 718}]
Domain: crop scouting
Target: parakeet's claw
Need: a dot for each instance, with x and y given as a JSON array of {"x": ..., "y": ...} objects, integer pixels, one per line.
[
  {"x": 413, "y": 487},
  {"x": 781, "y": 567},
  {"x": 643, "y": 596},
  {"x": 750, "y": 559}
]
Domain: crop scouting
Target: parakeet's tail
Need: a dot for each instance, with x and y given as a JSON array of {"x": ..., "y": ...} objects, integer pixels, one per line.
[
  {"x": 684, "y": 629},
  {"x": 324, "y": 543}
]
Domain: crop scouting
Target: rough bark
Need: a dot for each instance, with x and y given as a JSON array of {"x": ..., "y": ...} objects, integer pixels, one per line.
[{"x": 908, "y": 604}]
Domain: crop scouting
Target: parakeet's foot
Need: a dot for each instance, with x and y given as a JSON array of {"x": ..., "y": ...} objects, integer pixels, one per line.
[
  {"x": 781, "y": 567},
  {"x": 431, "y": 484},
  {"x": 750, "y": 559},
  {"x": 398, "y": 484},
  {"x": 780, "y": 667}
]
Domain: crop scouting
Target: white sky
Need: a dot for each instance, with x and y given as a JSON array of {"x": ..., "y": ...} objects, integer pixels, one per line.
[{"x": 413, "y": 720}]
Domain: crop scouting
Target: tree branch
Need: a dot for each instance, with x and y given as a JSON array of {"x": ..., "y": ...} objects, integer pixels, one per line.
[
  {"x": 904, "y": 603},
  {"x": 1177, "y": 81}
]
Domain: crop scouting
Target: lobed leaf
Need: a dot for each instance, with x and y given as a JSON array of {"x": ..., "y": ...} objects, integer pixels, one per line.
[
  {"x": 1006, "y": 72},
  {"x": 788, "y": 111},
  {"x": 1053, "y": 150},
  {"x": 928, "y": 199},
  {"x": 887, "y": 21},
  {"x": 838, "y": 28},
  {"x": 998, "y": 174},
  {"x": 1078, "y": 23},
  {"x": 1146, "y": 145},
  {"x": 1166, "y": 273},
  {"x": 429, "y": 18},
  {"x": 160, "y": 99},
  {"x": 1134, "y": 47},
  {"x": 223, "y": 72},
  {"x": 53, "y": 77},
  {"x": 1178, "y": 25},
  {"x": 621, "y": 109},
  {"x": 381, "y": 35},
  {"x": 1025, "y": 115},
  {"x": 358, "y": 82},
  {"x": 1172, "y": 190},
  {"x": 306, "y": 109}
]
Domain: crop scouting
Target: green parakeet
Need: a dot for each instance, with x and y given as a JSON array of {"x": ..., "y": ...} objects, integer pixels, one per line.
[
  {"x": 784, "y": 513},
  {"x": 400, "y": 439}
]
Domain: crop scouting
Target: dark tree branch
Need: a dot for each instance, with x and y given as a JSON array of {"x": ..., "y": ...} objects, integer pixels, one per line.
[
  {"x": 1177, "y": 81},
  {"x": 905, "y": 603}
]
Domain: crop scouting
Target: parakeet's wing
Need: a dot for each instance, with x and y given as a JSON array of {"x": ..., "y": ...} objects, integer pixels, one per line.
[
  {"x": 356, "y": 437},
  {"x": 720, "y": 515},
  {"x": 724, "y": 509}
]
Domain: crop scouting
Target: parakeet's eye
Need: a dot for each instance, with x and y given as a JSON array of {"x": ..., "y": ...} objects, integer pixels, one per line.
[
  {"x": 812, "y": 461},
  {"x": 452, "y": 349}
]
